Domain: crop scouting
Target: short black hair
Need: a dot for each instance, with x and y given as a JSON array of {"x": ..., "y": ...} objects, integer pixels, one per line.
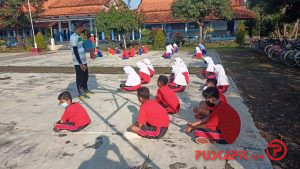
[
  {"x": 143, "y": 92},
  {"x": 163, "y": 79},
  {"x": 78, "y": 25},
  {"x": 65, "y": 96},
  {"x": 211, "y": 92},
  {"x": 212, "y": 80}
]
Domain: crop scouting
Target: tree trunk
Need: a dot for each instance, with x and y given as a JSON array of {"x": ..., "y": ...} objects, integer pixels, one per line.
[
  {"x": 295, "y": 30},
  {"x": 19, "y": 38},
  {"x": 200, "y": 24},
  {"x": 124, "y": 38}
]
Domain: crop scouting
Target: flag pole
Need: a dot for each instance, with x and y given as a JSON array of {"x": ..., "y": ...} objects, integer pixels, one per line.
[{"x": 29, "y": 6}]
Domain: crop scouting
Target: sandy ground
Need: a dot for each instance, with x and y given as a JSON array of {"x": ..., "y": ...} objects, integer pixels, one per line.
[{"x": 29, "y": 109}]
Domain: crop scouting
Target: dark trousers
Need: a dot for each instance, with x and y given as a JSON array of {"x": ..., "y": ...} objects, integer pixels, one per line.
[{"x": 82, "y": 78}]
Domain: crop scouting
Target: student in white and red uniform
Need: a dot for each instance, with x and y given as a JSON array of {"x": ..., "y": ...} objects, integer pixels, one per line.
[
  {"x": 153, "y": 120},
  {"x": 185, "y": 71},
  {"x": 179, "y": 83},
  {"x": 144, "y": 72},
  {"x": 168, "y": 53},
  {"x": 175, "y": 47},
  {"x": 223, "y": 82},
  {"x": 198, "y": 53},
  {"x": 209, "y": 72},
  {"x": 133, "y": 82},
  {"x": 150, "y": 66}
]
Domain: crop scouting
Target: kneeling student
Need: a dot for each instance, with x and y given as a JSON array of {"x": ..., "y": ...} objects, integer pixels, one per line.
[
  {"x": 153, "y": 120},
  {"x": 133, "y": 82},
  {"x": 75, "y": 117},
  {"x": 144, "y": 72},
  {"x": 167, "y": 97},
  {"x": 221, "y": 126}
]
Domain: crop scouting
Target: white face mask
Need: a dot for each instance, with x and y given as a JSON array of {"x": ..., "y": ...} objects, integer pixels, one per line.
[{"x": 64, "y": 105}]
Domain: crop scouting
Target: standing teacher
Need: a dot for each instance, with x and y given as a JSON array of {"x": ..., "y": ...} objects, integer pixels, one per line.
[{"x": 79, "y": 60}]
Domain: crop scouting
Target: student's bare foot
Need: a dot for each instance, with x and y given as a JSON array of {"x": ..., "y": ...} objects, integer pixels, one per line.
[
  {"x": 188, "y": 129},
  {"x": 200, "y": 140}
]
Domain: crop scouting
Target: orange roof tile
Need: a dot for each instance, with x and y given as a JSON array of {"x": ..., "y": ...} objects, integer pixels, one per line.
[{"x": 159, "y": 11}]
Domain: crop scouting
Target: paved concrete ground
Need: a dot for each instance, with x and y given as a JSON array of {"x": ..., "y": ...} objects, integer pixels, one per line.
[
  {"x": 64, "y": 58},
  {"x": 29, "y": 108}
]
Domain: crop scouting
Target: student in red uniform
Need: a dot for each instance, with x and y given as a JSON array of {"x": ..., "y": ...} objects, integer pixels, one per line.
[
  {"x": 131, "y": 51},
  {"x": 209, "y": 72},
  {"x": 150, "y": 67},
  {"x": 167, "y": 97},
  {"x": 75, "y": 117},
  {"x": 133, "y": 82},
  {"x": 111, "y": 52},
  {"x": 145, "y": 49},
  {"x": 144, "y": 72},
  {"x": 204, "y": 108},
  {"x": 221, "y": 126},
  {"x": 153, "y": 120},
  {"x": 125, "y": 54}
]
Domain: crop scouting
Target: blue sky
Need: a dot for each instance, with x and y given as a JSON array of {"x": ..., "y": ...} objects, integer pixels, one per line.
[{"x": 134, "y": 3}]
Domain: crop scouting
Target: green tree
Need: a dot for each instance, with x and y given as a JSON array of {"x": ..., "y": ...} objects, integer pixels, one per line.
[
  {"x": 40, "y": 41},
  {"x": 281, "y": 18},
  {"x": 159, "y": 38},
  {"x": 241, "y": 33},
  {"x": 191, "y": 10},
  {"x": 147, "y": 36},
  {"x": 121, "y": 20},
  {"x": 14, "y": 14}
]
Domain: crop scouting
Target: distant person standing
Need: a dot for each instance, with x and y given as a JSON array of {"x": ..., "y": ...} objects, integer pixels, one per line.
[{"x": 79, "y": 60}]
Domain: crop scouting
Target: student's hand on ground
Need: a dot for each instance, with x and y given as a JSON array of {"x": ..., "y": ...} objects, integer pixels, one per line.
[
  {"x": 188, "y": 129},
  {"x": 82, "y": 67}
]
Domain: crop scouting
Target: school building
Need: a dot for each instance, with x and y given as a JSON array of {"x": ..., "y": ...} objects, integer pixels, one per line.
[{"x": 59, "y": 16}]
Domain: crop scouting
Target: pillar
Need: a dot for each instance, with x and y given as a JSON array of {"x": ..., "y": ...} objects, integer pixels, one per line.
[
  {"x": 103, "y": 36},
  {"x": 91, "y": 26},
  {"x": 23, "y": 33},
  {"x": 133, "y": 35},
  {"x": 14, "y": 33},
  {"x": 60, "y": 32},
  {"x": 162, "y": 26},
  {"x": 70, "y": 28},
  {"x": 140, "y": 33},
  {"x": 119, "y": 37},
  {"x": 97, "y": 38},
  {"x": 186, "y": 28},
  {"x": 52, "y": 39},
  {"x": 112, "y": 35}
]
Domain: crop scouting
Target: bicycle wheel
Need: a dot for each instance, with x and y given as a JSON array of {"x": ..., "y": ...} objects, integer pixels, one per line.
[
  {"x": 267, "y": 48},
  {"x": 274, "y": 55},
  {"x": 289, "y": 58},
  {"x": 297, "y": 58}
]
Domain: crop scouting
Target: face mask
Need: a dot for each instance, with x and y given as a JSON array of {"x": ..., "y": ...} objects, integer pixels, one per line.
[{"x": 64, "y": 105}]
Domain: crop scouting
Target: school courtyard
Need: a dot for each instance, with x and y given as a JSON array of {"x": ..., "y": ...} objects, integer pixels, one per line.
[{"x": 29, "y": 107}]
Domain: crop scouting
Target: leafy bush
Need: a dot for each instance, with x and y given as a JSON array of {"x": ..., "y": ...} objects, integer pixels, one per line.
[
  {"x": 40, "y": 41},
  {"x": 28, "y": 43},
  {"x": 147, "y": 37},
  {"x": 240, "y": 34},
  {"x": 159, "y": 39}
]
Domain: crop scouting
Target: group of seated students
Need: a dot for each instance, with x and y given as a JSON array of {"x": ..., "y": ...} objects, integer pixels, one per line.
[
  {"x": 179, "y": 78},
  {"x": 170, "y": 51},
  {"x": 217, "y": 121},
  {"x": 125, "y": 54}
]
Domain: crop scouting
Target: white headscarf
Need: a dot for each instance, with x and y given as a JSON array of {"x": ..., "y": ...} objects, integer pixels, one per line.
[
  {"x": 210, "y": 64},
  {"x": 148, "y": 63},
  {"x": 180, "y": 63},
  {"x": 179, "y": 78},
  {"x": 198, "y": 49},
  {"x": 175, "y": 45},
  {"x": 169, "y": 49},
  {"x": 143, "y": 67},
  {"x": 133, "y": 78},
  {"x": 221, "y": 76}
]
